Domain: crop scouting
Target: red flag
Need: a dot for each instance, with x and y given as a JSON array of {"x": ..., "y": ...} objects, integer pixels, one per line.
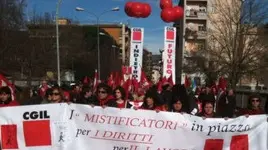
[
  {"x": 111, "y": 80},
  {"x": 5, "y": 82},
  {"x": 127, "y": 87},
  {"x": 126, "y": 70},
  {"x": 135, "y": 84},
  {"x": 222, "y": 84},
  {"x": 170, "y": 80},
  {"x": 37, "y": 133},
  {"x": 145, "y": 83},
  {"x": 164, "y": 80},
  {"x": 9, "y": 137},
  {"x": 159, "y": 86},
  {"x": 187, "y": 82},
  {"x": 86, "y": 80}
]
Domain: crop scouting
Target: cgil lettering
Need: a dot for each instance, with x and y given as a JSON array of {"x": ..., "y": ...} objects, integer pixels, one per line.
[{"x": 36, "y": 115}]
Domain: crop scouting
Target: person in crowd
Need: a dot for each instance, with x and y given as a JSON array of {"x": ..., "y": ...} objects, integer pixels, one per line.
[
  {"x": 6, "y": 97},
  {"x": 104, "y": 96},
  {"x": 75, "y": 94},
  {"x": 207, "y": 95},
  {"x": 207, "y": 110},
  {"x": 254, "y": 107},
  {"x": 227, "y": 105},
  {"x": 48, "y": 97},
  {"x": 166, "y": 95},
  {"x": 177, "y": 106},
  {"x": 179, "y": 91},
  {"x": 151, "y": 102},
  {"x": 43, "y": 87},
  {"x": 86, "y": 96},
  {"x": 120, "y": 96},
  {"x": 57, "y": 95}
]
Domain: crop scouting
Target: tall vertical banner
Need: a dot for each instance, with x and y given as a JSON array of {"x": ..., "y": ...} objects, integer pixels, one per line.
[
  {"x": 169, "y": 53},
  {"x": 136, "y": 52}
]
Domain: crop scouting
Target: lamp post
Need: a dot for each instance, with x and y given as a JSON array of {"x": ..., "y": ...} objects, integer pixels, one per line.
[
  {"x": 98, "y": 29},
  {"x": 57, "y": 40}
]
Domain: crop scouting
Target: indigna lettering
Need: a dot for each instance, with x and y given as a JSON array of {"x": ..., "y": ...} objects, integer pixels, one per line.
[{"x": 136, "y": 63}]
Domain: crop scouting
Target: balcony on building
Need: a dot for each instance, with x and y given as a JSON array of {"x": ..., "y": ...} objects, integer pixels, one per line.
[
  {"x": 194, "y": 48},
  {"x": 196, "y": 29},
  {"x": 196, "y": 10}
]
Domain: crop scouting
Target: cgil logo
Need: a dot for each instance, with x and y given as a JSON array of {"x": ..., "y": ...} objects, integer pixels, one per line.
[{"x": 36, "y": 115}]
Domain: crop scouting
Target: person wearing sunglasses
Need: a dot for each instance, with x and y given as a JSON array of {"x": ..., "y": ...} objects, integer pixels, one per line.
[
  {"x": 104, "y": 96},
  {"x": 254, "y": 106},
  {"x": 56, "y": 95},
  {"x": 6, "y": 98}
]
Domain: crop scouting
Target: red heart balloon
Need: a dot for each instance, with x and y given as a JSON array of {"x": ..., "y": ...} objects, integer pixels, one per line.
[
  {"x": 137, "y": 9},
  {"x": 168, "y": 15},
  {"x": 146, "y": 10},
  {"x": 128, "y": 9},
  {"x": 178, "y": 12},
  {"x": 166, "y": 4}
]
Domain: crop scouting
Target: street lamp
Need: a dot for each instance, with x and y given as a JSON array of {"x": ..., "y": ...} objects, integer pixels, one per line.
[
  {"x": 98, "y": 28},
  {"x": 57, "y": 40}
]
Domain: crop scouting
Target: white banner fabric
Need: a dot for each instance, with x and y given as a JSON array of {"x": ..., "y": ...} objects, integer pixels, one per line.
[
  {"x": 136, "y": 52},
  {"x": 169, "y": 53},
  {"x": 81, "y": 127}
]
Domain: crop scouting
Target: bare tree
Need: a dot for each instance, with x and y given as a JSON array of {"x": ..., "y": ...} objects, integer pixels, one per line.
[{"x": 233, "y": 43}]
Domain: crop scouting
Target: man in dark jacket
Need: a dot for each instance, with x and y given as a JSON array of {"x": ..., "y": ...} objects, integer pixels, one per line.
[{"x": 227, "y": 104}]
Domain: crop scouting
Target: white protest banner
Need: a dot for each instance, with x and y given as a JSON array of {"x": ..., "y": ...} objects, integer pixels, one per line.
[
  {"x": 136, "y": 52},
  {"x": 169, "y": 53},
  {"x": 32, "y": 127},
  {"x": 83, "y": 127}
]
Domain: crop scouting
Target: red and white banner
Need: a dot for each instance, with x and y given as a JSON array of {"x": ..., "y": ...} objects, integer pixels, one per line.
[
  {"x": 81, "y": 127},
  {"x": 136, "y": 52},
  {"x": 169, "y": 53}
]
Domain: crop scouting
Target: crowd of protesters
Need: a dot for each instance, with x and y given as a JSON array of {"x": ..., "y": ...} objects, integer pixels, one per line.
[{"x": 205, "y": 102}]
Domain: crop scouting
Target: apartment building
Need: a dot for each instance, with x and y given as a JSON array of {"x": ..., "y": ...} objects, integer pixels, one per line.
[
  {"x": 121, "y": 34},
  {"x": 192, "y": 37}
]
